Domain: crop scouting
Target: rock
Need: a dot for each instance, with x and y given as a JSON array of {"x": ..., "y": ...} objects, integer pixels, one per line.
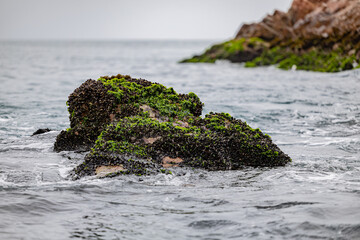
[
  {"x": 308, "y": 20},
  {"x": 276, "y": 26},
  {"x": 310, "y": 29},
  {"x": 104, "y": 171},
  {"x": 90, "y": 108},
  {"x": 236, "y": 50},
  {"x": 134, "y": 126},
  {"x": 300, "y": 8},
  {"x": 41, "y": 131}
]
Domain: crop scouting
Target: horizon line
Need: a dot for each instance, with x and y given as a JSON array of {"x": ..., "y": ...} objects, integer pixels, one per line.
[{"x": 112, "y": 39}]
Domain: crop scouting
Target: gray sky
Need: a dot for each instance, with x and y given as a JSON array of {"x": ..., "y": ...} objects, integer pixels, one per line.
[{"x": 130, "y": 19}]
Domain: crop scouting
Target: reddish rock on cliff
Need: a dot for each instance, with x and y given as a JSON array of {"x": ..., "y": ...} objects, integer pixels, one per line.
[
  {"x": 316, "y": 35},
  {"x": 307, "y": 20}
]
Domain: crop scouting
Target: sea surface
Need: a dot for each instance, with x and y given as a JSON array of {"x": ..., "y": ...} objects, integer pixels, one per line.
[{"x": 313, "y": 117}]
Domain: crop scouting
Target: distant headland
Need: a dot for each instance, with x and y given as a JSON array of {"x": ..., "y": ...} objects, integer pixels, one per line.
[{"x": 314, "y": 35}]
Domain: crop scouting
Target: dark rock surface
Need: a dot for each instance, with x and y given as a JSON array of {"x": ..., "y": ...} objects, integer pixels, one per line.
[
  {"x": 90, "y": 108},
  {"x": 134, "y": 126},
  {"x": 41, "y": 131}
]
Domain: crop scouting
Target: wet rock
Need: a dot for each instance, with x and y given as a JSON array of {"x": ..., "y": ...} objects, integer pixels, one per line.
[
  {"x": 168, "y": 162},
  {"x": 134, "y": 126},
  {"x": 104, "y": 171},
  {"x": 41, "y": 131},
  {"x": 90, "y": 107}
]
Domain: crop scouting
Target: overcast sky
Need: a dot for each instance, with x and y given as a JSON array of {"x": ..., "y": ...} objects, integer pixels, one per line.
[{"x": 130, "y": 19}]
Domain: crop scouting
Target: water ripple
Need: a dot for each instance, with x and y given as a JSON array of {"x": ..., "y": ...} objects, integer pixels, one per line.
[{"x": 313, "y": 117}]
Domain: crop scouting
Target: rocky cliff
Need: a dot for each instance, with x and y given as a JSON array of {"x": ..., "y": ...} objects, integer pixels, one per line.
[{"x": 318, "y": 35}]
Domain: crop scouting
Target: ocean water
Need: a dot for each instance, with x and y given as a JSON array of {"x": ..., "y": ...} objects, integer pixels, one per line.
[{"x": 313, "y": 117}]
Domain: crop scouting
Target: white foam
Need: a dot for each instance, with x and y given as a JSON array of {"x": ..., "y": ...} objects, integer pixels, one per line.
[{"x": 323, "y": 177}]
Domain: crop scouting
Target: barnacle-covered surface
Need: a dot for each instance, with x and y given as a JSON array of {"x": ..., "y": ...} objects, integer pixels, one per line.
[
  {"x": 95, "y": 104},
  {"x": 134, "y": 126},
  {"x": 90, "y": 107},
  {"x": 216, "y": 142}
]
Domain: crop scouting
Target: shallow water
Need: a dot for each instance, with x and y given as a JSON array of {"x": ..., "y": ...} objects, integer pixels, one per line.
[{"x": 313, "y": 117}]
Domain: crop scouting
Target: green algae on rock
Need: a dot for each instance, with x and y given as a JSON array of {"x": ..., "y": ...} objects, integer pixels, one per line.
[
  {"x": 133, "y": 126},
  {"x": 312, "y": 60},
  {"x": 314, "y": 35},
  {"x": 235, "y": 50},
  {"x": 95, "y": 104}
]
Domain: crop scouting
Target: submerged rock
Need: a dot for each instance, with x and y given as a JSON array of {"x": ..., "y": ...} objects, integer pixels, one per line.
[
  {"x": 41, "y": 131},
  {"x": 134, "y": 126},
  {"x": 317, "y": 35}
]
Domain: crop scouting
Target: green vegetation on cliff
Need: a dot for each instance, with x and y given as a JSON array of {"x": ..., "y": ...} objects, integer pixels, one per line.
[
  {"x": 299, "y": 55},
  {"x": 235, "y": 50},
  {"x": 313, "y": 35},
  {"x": 312, "y": 60}
]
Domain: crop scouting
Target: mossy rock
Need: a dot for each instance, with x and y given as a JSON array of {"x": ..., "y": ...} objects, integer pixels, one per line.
[
  {"x": 321, "y": 55},
  {"x": 235, "y": 50},
  {"x": 311, "y": 60},
  {"x": 134, "y": 126},
  {"x": 95, "y": 104}
]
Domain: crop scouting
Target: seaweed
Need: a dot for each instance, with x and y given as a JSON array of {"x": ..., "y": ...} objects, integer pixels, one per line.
[
  {"x": 235, "y": 50},
  {"x": 312, "y": 60},
  {"x": 321, "y": 55},
  {"x": 216, "y": 142}
]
